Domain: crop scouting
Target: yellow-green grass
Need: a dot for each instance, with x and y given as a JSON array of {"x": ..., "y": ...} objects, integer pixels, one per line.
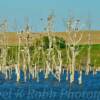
[{"x": 12, "y": 37}]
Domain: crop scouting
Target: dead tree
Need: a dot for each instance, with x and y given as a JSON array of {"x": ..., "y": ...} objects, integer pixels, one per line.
[
  {"x": 88, "y": 67},
  {"x": 49, "y": 32},
  {"x": 4, "y": 46},
  {"x": 17, "y": 67},
  {"x": 74, "y": 38},
  {"x": 27, "y": 38}
]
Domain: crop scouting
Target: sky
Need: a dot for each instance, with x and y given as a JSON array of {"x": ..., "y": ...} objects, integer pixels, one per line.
[{"x": 34, "y": 10}]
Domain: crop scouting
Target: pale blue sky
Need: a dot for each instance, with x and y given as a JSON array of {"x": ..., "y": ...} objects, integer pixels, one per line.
[{"x": 36, "y": 9}]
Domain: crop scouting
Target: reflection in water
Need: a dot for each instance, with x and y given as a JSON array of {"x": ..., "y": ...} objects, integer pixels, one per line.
[{"x": 50, "y": 88}]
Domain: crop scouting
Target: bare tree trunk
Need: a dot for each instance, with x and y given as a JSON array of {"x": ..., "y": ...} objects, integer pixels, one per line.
[
  {"x": 24, "y": 67},
  {"x": 17, "y": 73},
  {"x": 60, "y": 64},
  {"x": 80, "y": 77},
  {"x": 18, "y": 63},
  {"x": 73, "y": 65},
  {"x": 47, "y": 69}
]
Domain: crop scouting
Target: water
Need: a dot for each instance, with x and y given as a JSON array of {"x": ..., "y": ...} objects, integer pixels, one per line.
[{"x": 50, "y": 89}]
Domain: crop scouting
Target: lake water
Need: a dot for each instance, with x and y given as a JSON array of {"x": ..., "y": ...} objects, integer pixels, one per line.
[{"x": 50, "y": 89}]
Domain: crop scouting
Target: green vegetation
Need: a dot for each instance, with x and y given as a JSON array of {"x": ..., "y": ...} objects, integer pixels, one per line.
[
  {"x": 94, "y": 55},
  {"x": 39, "y": 49}
]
